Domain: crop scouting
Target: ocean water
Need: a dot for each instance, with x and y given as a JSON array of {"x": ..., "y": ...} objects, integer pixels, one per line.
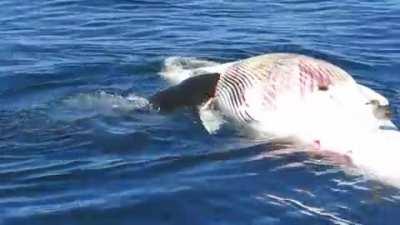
[{"x": 78, "y": 144}]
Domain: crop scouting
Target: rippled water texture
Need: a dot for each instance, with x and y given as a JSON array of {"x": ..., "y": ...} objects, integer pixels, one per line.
[{"x": 78, "y": 146}]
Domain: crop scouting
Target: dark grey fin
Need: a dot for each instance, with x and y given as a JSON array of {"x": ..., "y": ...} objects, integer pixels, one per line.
[{"x": 190, "y": 92}]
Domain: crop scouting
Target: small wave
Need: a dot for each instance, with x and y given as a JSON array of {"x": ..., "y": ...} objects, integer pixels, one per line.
[
  {"x": 103, "y": 103},
  {"x": 307, "y": 209}
]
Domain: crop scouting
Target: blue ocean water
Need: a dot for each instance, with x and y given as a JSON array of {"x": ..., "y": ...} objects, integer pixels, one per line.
[{"x": 76, "y": 149}]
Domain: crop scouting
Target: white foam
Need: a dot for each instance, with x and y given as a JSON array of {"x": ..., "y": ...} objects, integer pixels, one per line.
[
  {"x": 177, "y": 69},
  {"x": 102, "y": 102}
]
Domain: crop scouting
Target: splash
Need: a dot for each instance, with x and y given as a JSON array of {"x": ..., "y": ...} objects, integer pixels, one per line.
[
  {"x": 177, "y": 69},
  {"x": 104, "y": 103}
]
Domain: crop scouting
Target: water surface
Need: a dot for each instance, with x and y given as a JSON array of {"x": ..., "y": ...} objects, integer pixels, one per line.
[{"x": 77, "y": 148}]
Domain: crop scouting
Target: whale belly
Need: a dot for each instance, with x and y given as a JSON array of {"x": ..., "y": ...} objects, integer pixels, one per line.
[{"x": 285, "y": 94}]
